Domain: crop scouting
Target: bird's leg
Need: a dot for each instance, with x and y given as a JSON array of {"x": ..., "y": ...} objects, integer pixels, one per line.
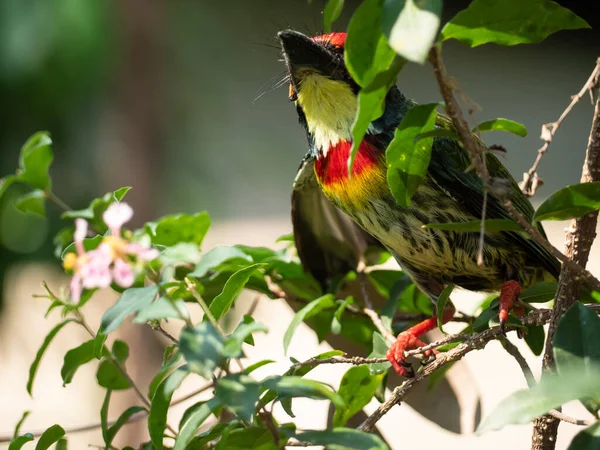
[
  {"x": 409, "y": 340},
  {"x": 509, "y": 294}
]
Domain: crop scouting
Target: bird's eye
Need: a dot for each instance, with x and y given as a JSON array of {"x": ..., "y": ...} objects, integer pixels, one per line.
[{"x": 292, "y": 94}]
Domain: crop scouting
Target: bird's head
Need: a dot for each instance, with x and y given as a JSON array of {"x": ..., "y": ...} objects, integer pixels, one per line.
[{"x": 324, "y": 92}]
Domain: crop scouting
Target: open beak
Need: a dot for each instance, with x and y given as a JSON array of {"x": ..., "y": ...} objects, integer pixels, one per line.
[{"x": 303, "y": 55}]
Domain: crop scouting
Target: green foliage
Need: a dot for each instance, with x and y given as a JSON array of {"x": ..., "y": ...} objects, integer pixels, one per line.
[
  {"x": 203, "y": 348},
  {"x": 441, "y": 304},
  {"x": 192, "y": 419},
  {"x": 49, "y": 437},
  {"x": 357, "y": 388},
  {"x": 97, "y": 207},
  {"x": 223, "y": 302},
  {"x": 539, "y": 293},
  {"x": 343, "y": 439},
  {"x": 75, "y": 358},
  {"x": 110, "y": 373},
  {"x": 380, "y": 348},
  {"x": 411, "y": 26},
  {"x": 171, "y": 230},
  {"x": 587, "y": 439},
  {"x": 408, "y": 159},
  {"x": 501, "y": 125},
  {"x": 570, "y": 202},
  {"x": 18, "y": 442},
  {"x": 331, "y": 13},
  {"x": 510, "y": 22},
  {"x": 38, "y": 357},
  {"x": 310, "y": 310},
  {"x": 130, "y": 302}
]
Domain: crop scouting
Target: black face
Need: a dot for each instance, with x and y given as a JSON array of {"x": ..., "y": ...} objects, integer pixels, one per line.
[{"x": 303, "y": 55}]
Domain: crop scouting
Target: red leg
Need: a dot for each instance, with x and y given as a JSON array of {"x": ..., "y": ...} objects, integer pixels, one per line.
[
  {"x": 508, "y": 296},
  {"x": 409, "y": 339}
]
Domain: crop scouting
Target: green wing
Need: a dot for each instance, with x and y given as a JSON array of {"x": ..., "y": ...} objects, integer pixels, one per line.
[{"x": 449, "y": 164}]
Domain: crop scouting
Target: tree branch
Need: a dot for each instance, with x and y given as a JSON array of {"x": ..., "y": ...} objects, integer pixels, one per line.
[
  {"x": 579, "y": 239},
  {"x": 531, "y": 181}
]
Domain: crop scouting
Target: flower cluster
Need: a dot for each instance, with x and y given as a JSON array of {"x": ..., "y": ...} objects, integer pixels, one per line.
[{"x": 112, "y": 261}]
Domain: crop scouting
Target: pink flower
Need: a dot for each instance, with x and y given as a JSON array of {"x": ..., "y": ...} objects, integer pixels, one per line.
[
  {"x": 116, "y": 215},
  {"x": 143, "y": 253},
  {"x": 112, "y": 260},
  {"x": 123, "y": 273}
]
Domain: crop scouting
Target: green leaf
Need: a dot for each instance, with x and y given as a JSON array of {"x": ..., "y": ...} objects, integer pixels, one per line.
[
  {"x": 343, "y": 439},
  {"x": 20, "y": 441},
  {"x": 109, "y": 375},
  {"x": 539, "y": 293},
  {"x": 441, "y": 304},
  {"x": 371, "y": 104},
  {"x": 93, "y": 213},
  {"x": 331, "y": 13},
  {"x": 38, "y": 357},
  {"x": 366, "y": 50},
  {"x": 239, "y": 393},
  {"x": 222, "y": 302},
  {"x": 171, "y": 358},
  {"x": 570, "y": 202},
  {"x": 336, "y": 324},
  {"x": 162, "y": 308},
  {"x": 534, "y": 338},
  {"x": 49, "y": 437},
  {"x": 411, "y": 26},
  {"x": 122, "y": 420},
  {"x": 301, "y": 387},
  {"x": 438, "y": 132},
  {"x": 202, "y": 347},
  {"x": 35, "y": 160},
  {"x": 75, "y": 358},
  {"x": 474, "y": 226},
  {"x": 130, "y": 302},
  {"x": 6, "y": 182},
  {"x": 20, "y": 424},
  {"x": 171, "y": 230},
  {"x": 576, "y": 345},
  {"x": 510, "y": 22},
  {"x": 233, "y": 343},
  {"x": 157, "y": 419},
  {"x": 104, "y": 415},
  {"x": 88, "y": 244},
  {"x": 408, "y": 160},
  {"x": 62, "y": 444},
  {"x": 313, "y": 308},
  {"x": 257, "y": 365},
  {"x": 380, "y": 348},
  {"x": 501, "y": 125},
  {"x": 357, "y": 388},
  {"x": 34, "y": 202},
  {"x": 194, "y": 417},
  {"x": 216, "y": 257},
  {"x": 587, "y": 439},
  {"x": 552, "y": 391},
  {"x": 482, "y": 321},
  {"x": 255, "y": 438}
]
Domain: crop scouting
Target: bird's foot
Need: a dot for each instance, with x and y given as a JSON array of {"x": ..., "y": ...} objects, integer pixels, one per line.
[
  {"x": 407, "y": 340},
  {"x": 509, "y": 295}
]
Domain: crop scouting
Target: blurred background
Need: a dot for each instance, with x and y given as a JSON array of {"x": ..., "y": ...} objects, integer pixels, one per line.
[{"x": 173, "y": 99}]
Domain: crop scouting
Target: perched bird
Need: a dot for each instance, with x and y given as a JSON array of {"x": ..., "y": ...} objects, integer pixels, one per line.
[{"x": 333, "y": 213}]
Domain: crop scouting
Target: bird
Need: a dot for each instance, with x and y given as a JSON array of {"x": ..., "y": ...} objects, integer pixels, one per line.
[{"x": 336, "y": 215}]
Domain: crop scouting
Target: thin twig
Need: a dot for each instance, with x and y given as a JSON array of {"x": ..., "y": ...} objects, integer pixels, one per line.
[
  {"x": 57, "y": 201},
  {"x": 531, "y": 181},
  {"x": 161, "y": 330},
  {"x": 368, "y": 309}
]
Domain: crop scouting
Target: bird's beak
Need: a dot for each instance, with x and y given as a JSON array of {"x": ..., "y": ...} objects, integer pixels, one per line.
[{"x": 304, "y": 56}]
